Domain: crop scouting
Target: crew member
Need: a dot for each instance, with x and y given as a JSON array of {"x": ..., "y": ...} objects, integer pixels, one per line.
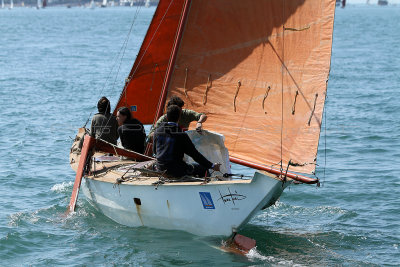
[
  {"x": 170, "y": 145},
  {"x": 187, "y": 117},
  {"x": 130, "y": 131},
  {"x": 104, "y": 125}
]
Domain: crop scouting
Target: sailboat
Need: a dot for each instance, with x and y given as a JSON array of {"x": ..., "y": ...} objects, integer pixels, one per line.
[
  {"x": 104, "y": 4},
  {"x": 38, "y": 4},
  {"x": 44, "y": 3},
  {"x": 259, "y": 70},
  {"x": 147, "y": 3},
  {"x": 92, "y": 5},
  {"x": 11, "y": 4},
  {"x": 2, "y": 4}
]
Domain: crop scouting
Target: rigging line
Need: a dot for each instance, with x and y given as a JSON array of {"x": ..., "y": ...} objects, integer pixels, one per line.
[
  {"x": 122, "y": 57},
  {"x": 151, "y": 40},
  {"x": 292, "y": 78},
  {"x": 185, "y": 82},
  {"x": 164, "y": 90},
  {"x": 325, "y": 111},
  {"x": 154, "y": 75},
  {"x": 313, "y": 110},
  {"x": 126, "y": 45},
  {"x": 283, "y": 63},
  {"x": 115, "y": 60}
]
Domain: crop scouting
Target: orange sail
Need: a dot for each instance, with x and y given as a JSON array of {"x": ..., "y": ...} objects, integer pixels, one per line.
[
  {"x": 143, "y": 86},
  {"x": 259, "y": 70}
]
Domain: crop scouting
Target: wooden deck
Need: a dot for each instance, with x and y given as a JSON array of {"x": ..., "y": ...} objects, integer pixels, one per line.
[{"x": 117, "y": 170}]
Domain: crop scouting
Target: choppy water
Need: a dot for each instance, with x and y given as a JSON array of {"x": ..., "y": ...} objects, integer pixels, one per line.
[{"x": 53, "y": 66}]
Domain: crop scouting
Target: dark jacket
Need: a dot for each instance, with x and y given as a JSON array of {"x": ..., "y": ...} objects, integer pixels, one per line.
[
  {"x": 104, "y": 127},
  {"x": 170, "y": 145},
  {"x": 132, "y": 135}
]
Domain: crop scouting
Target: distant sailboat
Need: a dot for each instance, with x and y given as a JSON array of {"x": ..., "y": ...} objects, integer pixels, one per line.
[
  {"x": 44, "y": 3},
  {"x": 2, "y": 4},
  {"x": 38, "y": 4},
  {"x": 147, "y": 4},
  {"x": 11, "y": 4},
  {"x": 92, "y": 4},
  {"x": 104, "y": 4}
]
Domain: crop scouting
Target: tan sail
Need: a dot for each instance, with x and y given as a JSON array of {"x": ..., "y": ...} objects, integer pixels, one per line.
[{"x": 236, "y": 59}]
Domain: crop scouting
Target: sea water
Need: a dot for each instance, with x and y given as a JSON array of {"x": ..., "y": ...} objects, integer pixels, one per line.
[{"x": 55, "y": 64}]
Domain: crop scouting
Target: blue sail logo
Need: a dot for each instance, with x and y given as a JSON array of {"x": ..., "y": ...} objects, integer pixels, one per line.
[{"x": 207, "y": 201}]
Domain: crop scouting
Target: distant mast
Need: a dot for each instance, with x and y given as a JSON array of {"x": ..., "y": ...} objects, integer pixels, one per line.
[{"x": 104, "y": 4}]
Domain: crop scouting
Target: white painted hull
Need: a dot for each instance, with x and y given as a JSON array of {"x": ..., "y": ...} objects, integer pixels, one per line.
[{"x": 185, "y": 207}]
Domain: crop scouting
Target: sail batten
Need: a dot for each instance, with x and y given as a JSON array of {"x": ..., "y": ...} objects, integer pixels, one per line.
[{"x": 283, "y": 45}]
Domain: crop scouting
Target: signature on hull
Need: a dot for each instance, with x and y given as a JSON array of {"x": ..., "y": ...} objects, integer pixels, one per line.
[{"x": 231, "y": 197}]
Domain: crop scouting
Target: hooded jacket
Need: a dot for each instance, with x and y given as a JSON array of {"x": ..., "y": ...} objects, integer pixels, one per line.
[{"x": 170, "y": 145}]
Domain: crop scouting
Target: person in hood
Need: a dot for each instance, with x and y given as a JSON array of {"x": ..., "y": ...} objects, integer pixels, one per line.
[
  {"x": 130, "y": 131},
  {"x": 104, "y": 125},
  {"x": 170, "y": 145}
]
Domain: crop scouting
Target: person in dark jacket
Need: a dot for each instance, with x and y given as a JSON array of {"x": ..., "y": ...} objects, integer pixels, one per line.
[
  {"x": 104, "y": 125},
  {"x": 170, "y": 145},
  {"x": 130, "y": 131}
]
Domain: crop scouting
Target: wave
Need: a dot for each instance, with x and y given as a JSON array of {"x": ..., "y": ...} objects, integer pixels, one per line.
[{"x": 63, "y": 187}]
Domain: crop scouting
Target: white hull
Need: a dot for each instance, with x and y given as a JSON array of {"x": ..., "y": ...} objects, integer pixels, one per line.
[{"x": 186, "y": 206}]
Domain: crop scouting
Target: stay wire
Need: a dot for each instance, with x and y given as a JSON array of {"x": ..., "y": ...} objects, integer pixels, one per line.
[
  {"x": 283, "y": 62},
  {"x": 145, "y": 51},
  {"x": 124, "y": 46},
  {"x": 114, "y": 60}
]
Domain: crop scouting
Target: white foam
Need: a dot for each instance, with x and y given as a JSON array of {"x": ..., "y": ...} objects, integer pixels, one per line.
[
  {"x": 253, "y": 254},
  {"x": 64, "y": 186}
]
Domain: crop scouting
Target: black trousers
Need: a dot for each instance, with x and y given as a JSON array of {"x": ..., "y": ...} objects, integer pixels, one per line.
[{"x": 195, "y": 169}]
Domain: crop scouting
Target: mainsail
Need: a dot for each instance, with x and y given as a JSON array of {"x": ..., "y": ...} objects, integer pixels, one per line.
[
  {"x": 143, "y": 86},
  {"x": 258, "y": 69}
]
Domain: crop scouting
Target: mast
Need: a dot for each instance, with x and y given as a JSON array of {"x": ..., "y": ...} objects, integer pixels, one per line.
[
  {"x": 144, "y": 84},
  {"x": 172, "y": 60}
]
